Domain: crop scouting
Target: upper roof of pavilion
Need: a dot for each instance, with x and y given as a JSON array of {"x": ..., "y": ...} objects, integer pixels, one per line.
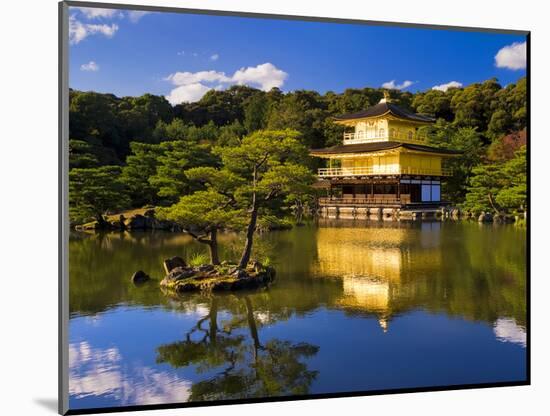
[{"x": 384, "y": 108}]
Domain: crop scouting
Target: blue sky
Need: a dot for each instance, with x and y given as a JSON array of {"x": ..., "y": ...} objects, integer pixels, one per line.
[{"x": 182, "y": 56}]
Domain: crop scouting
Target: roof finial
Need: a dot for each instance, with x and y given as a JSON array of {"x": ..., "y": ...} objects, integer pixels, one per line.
[{"x": 386, "y": 98}]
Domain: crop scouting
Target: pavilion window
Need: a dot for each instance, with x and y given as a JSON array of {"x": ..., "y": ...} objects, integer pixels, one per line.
[
  {"x": 436, "y": 193},
  {"x": 378, "y": 188},
  {"x": 347, "y": 191},
  {"x": 426, "y": 191}
]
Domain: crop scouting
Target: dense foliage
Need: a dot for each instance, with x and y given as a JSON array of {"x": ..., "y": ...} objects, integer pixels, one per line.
[
  {"x": 155, "y": 144},
  {"x": 266, "y": 166}
]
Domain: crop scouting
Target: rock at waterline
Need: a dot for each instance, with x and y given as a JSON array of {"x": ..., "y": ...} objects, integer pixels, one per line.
[
  {"x": 140, "y": 277},
  {"x": 179, "y": 273},
  {"x": 217, "y": 278},
  {"x": 139, "y": 222},
  {"x": 485, "y": 217},
  {"x": 173, "y": 262}
]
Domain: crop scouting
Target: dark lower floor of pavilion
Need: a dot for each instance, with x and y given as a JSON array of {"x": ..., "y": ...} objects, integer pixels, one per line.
[{"x": 382, "y": 192}]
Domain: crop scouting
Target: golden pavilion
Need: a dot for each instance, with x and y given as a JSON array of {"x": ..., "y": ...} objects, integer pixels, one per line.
[{"x": 384, "y": 161}]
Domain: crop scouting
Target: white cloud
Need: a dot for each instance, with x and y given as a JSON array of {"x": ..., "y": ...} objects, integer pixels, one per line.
[
  {"x": 185, "y": 78},
  {"x": 393, "y": 86},
  {"x": 445, "y": 87},
  {"x": 215, "y": 57},
  {"x": 187, "y": 93},
  {"x": 136, "y": 15},
  {"x": 90, "y": 66},
  {"x": 513, "y": 56},
  {"x": 265, "y": 76},
  {"x": 79, "y": 31},
  {"x": 193, "y": 85},
  {"x": 97, "y": 13}
]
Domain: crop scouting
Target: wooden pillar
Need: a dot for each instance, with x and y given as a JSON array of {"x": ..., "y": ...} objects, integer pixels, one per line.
[{"x": 398, "y": 190}]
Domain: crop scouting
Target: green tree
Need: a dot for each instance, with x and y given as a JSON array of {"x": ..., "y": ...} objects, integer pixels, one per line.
[
  {"x": 474, "y": 105},
  {"x": 300, "y": 111},
  {"x": 138, "y": 116},
  {"x": 266, "y": 166},
  {"x": 178, "y": 156},
  {"x": 435, "y": 103},
  {"x": 93, "y": 115},
  {"x": 500, "y": 187},
  {"x": 141, "y": 165},
  {"x": 514, "y": 195},
  {"x": 81, "y": 155},
  {"x": 271, "y": 163},
  {"x": 485, "y": 183},
  {"x": 255, "y": 113},
  {"x": 500, "y": 122},
  {"x": 447, "y": 136},
  {"x": 90, "y": 153},
  {"x": 202, "y": 214},
  {"x": 95, "y": 191},
  {"x": 231, "y": 134}
]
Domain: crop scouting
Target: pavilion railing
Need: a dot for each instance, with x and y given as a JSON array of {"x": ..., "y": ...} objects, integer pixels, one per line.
[
  {"x": 375, "y": 201},
  {"x": 381, "y": 170},
  {"x": 367, "y": 137}
]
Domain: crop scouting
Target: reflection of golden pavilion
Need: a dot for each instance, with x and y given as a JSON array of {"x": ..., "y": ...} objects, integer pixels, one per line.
[
  {"x": 366, "y": 292},
  {"x": 374, "y": 265},
  {"x": 361, "y": 252}
]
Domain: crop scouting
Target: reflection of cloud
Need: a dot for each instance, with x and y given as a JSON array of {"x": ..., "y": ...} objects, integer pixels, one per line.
[
  {"x": 264, "y": 317},
  {"x": 507, "y": 330},
  {"x": 98, "y": 372}
]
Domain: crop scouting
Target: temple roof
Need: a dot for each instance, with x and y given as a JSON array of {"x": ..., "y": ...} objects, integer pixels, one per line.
[
  {"x": 382, "y": 108},
  {"x": 378, "y": 146}
]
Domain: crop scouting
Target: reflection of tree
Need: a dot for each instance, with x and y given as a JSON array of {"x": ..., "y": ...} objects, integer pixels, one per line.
[{"x": 244, "y": 366}]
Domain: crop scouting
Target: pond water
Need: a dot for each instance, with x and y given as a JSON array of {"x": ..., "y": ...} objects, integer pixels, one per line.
[{"x": 355, "y": 307}]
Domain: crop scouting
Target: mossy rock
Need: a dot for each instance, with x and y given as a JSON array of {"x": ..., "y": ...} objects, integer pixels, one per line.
[{"x": 223, "y": 278}]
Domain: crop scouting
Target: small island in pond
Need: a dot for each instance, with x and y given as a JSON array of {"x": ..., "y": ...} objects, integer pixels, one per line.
[{"x": 181, "y": 277}]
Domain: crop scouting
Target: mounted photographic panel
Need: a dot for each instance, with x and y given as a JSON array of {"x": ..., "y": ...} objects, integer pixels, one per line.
[{"x": 261, "y": 207}]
